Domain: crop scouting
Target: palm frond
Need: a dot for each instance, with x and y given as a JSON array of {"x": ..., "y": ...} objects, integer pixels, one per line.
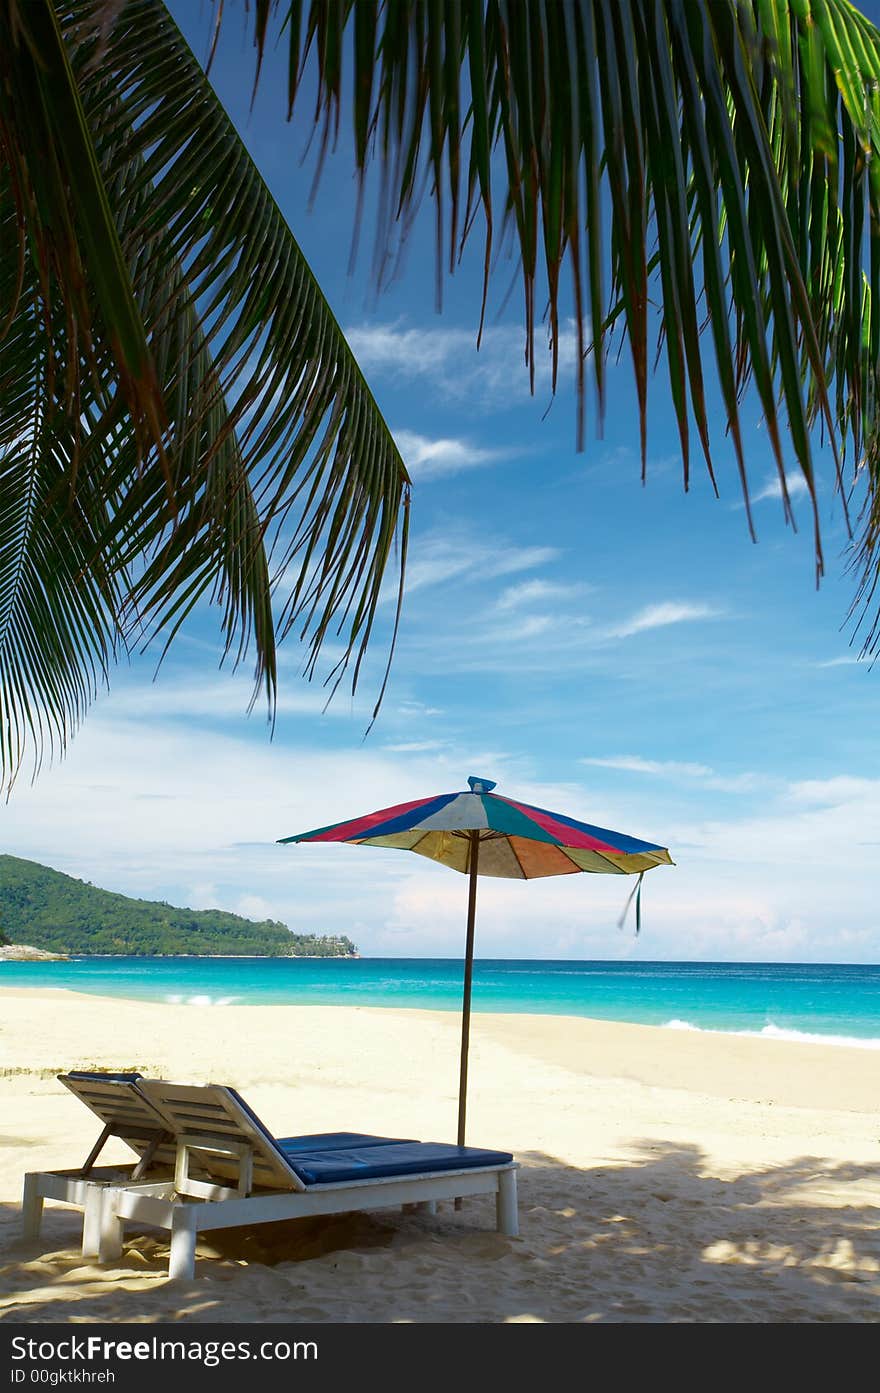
[
  {"x": 64, "y": 222},
  {"x": 60, "y": 604},
  {"x": 274, "y": 466},
  {"x": 725, "y": 151}
]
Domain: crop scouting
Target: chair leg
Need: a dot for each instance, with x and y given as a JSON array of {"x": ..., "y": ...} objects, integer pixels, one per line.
[
  {"x": 31, "y": 1206},
  {"x": 505, "y": 1204},
  {"x": 92, "y": 1214},
  {"x": 182, "y": 1263},
  {"x": 109, "y": 1227}
]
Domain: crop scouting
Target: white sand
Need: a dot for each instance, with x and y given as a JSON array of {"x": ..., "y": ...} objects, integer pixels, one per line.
[{"x": 666, "y": 1175}]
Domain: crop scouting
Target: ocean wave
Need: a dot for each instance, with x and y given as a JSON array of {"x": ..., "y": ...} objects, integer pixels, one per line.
[
  {"x": 201, "y": 999},
  {"x": 778, "y": 1032}
]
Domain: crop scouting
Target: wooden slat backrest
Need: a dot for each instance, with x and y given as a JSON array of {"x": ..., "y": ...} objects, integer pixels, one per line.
[
  {"x": 120, "y": 1105},
  {"x": 211, "y": 1110}
]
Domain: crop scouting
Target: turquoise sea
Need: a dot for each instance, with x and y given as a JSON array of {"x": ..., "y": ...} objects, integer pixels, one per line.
[{"x": 833, "y": 1003}]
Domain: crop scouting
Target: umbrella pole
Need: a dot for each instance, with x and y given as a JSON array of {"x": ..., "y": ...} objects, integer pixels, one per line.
[{"x": 468, "y": 977}]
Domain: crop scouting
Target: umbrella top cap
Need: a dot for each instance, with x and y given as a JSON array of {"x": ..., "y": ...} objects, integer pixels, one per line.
[{"x": 480, "y": 785}]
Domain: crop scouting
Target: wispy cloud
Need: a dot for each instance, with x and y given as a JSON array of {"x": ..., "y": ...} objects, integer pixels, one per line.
[
  {"x": 679, "y": 769},
  {"x": 529, "y": 627},
  {"x": 437, "y": 560},
  {"x": 794, "y": 482},
  {"x": 852, "y": 661},
  {"x": 834, "y": 791},
  {"x": 434, "y": 459},
  {"x": 534, "y": 622},
  {"x": 637, "y": 765},
  {"x": 221, "y": 698},
  {"x": 531, "y": 592},
  {"x": 414, "y": 747},
  {"x": 448, "y": 357},
  {"x": 412, "y": 352},
  {"x": 417, "y": 709},
  {"x": 660, "y": 616}
]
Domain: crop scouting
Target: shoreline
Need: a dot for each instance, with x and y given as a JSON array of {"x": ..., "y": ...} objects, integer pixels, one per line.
[
  {"x": 622, "y": 963},
  {"x": 188, "y": 957},
  {"x": 792, "y": 1073},
  {"x": 768, "y": 1034}
]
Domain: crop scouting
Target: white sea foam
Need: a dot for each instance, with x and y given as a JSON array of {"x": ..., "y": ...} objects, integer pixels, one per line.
[
  {"x": 177, "y": 999},
  {"x": 778, "y": 1032}
]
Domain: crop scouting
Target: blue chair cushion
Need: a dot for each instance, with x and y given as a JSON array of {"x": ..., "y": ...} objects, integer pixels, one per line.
[
  {"x": 333, "y": 1141},
  {"x": 287, "y": 1148},
  {"x": 373, "y": 1160},
  {"x": 391, "y": 1158}
]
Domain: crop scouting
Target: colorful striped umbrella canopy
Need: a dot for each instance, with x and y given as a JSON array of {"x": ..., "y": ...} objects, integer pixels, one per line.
[{"x": 481, "y": 832}]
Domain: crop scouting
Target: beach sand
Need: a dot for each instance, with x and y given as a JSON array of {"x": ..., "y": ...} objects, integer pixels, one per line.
[{"x": 666, "y": 1175}]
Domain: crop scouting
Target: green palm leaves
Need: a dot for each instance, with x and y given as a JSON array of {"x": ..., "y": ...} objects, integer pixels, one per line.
[
  {"x": 702, "y": 171},
  {"x": 178, "y": 404}
]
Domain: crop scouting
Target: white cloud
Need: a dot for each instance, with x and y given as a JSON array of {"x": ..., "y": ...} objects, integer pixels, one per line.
[
  {"x": 525, "y": 630},
  {"x": 412, "y": 352},
  {"x": 437, "y": 560},
  {"x": 660, "y": 616},
  {"x": 449, "y": 360},
  {"x": 510, "y": 559},
  {"x": 433, "y": 459},
  {"x": 414, "y": 747},
  {"x": 795, "y": 482},
  {"x": 489, "y": 640},
  {"x": 678, "y": 769},
  {"x": 251, "y": 907},
  {"x": 831, "y": 792},
  {"x": 530, "y": 627},
  {"x": 635, "y": 764},
  {"x": 852, "y": 661},
  {"x": 417, "y": 709},
  {"x": 222, "y": 697},
  {"x": 530, "y": 592}
]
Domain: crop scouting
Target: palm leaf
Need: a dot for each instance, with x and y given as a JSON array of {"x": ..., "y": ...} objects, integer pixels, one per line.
[
  {"x": 64, "y": 221},
  {"x": 59, "y": 603},
  {"x": 271, "y": 442},
  {"x": 727, "y": 151}
]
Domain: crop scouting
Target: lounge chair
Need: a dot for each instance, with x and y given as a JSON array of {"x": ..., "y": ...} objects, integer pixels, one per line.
[
  {"x": 121, "y": 1107},
  {"x": 230, "y": 1171}
]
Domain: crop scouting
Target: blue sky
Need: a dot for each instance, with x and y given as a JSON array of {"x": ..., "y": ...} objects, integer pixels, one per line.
[{"x": 620, "y": 653}]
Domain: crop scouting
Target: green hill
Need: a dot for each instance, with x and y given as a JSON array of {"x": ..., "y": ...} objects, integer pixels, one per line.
[{"x": 47, "y": 909}]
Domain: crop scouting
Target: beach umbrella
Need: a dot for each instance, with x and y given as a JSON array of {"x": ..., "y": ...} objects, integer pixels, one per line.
[{"x": 483, "y": 833}]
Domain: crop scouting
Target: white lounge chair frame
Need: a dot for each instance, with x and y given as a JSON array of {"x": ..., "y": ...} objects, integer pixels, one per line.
[
  {"x": 125, "y": 1113},
  {"x": 213, "y": 1130}
]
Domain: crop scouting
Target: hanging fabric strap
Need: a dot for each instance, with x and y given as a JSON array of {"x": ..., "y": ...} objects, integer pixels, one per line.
[{"x": 636, "y": 894}]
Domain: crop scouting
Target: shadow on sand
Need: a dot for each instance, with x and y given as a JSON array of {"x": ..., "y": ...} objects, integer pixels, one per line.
[{"x": 656, "y": 1239}]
